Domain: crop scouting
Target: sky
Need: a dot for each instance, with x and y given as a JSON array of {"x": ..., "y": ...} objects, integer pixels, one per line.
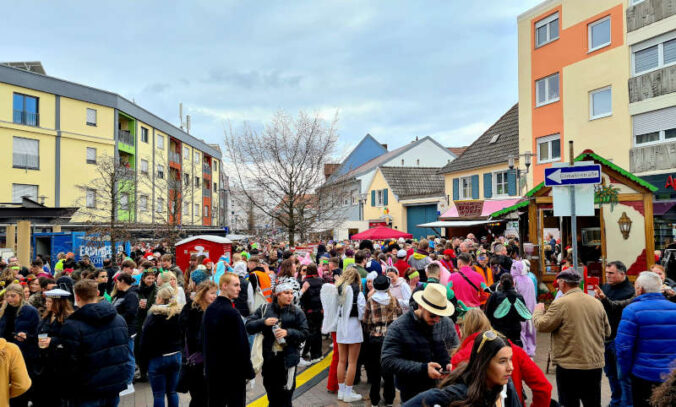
[{"x": 395, "y": 69}]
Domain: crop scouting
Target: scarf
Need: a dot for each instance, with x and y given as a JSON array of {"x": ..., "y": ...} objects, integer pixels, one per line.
[{"x": 381, "y": 297}]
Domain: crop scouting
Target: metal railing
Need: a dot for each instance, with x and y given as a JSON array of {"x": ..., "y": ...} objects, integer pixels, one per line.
[
  {"x": 174, "y": 157},
  {"x": 125, "y": 137},
  {"x": 206, "y": 192},
  {"x": 206, "y": 168},
  {"x": 27, "y": 118}
]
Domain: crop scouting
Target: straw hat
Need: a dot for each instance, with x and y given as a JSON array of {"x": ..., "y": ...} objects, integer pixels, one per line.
[{"x": 433, "y": 299}]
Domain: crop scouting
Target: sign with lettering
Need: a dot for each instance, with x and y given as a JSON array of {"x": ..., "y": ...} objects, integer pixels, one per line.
[{"x": 469, "y": 209}]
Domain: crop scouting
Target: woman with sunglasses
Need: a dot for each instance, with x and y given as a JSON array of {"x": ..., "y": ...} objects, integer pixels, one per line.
[
  {"x": 525, "y": 370},
  {"x": 482, "y": 382}
]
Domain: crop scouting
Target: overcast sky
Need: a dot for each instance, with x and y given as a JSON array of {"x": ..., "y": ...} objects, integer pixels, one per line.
[{"x": 394, "y": 69}]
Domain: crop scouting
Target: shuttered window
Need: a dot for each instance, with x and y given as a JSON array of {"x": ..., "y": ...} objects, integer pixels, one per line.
[
  {"x": 21, "y": 190},
  {"x": 646, "y": 59},
  {"x": 465, "y": 188},
  {"x": 143, "y": 203},
  {"x": 91, "y": 155},
  {"x": 144, "y": 166},
  {"x": 654, "y": 127},
  {"x": 25, "y": 153},
  {"x": 90, "y": 198},
  {"x": 547, "y": 30},
  {"x": 654, "y": 53},
  {"x": 160, "y": 205},
  {"x": 91, "y": 117}
]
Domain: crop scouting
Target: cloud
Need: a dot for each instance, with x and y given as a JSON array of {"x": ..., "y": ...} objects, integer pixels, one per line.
[
  {"x": 253, "y": 79},
  {"x": 156, "y": 88},
  {"x": 461, "y": 136}
]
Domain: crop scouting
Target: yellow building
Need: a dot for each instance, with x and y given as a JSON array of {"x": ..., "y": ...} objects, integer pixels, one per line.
[
  {"x": 404, "y": 197},
  {"x": 60, "y": 135},
  {"x": 573, "y": 73}
]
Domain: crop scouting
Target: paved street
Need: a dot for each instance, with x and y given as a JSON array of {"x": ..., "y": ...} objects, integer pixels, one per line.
[{"x": 318, "y": 396}]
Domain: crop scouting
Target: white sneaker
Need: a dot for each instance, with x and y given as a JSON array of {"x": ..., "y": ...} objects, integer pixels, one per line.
[
  {"x": 350, "y": 397},
  {"x": 313, "y": 361},
  {"x": 341, "y": 395},
  {"x": 304, "y": 363}
]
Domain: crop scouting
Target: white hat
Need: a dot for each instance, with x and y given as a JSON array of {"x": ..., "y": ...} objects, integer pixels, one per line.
[
  {"x": 433, "y": 299},
  {"x": 57, "y": 293},
  {"x": 371, "y": 276},
  {"x": 401, "y": 253}
]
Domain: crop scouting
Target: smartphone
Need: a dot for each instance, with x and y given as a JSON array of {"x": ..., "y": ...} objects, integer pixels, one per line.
[{"x": 445, "y": 372}]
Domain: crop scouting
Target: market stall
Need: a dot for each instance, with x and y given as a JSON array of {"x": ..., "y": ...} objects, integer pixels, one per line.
[{"x": 380, "y": 233}]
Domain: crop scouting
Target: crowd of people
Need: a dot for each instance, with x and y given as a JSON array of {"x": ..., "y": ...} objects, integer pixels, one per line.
[{"x": 441, "y": 322}]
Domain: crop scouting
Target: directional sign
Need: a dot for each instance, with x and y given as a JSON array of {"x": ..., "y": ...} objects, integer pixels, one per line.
[{"x": 578, "y": 175}]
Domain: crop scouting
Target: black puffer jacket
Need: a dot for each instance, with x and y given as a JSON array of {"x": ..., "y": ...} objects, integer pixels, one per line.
[
  {"x": 410, "y": 344},
  {"x": 292, "y": 319},
  {"x": 160, "y": 335},
  {"x": 458, "y": 392},
  {"x": 190, "y": 321},
  {"x": 93, "y": 356},
  {"x": 126, "y": 304}
]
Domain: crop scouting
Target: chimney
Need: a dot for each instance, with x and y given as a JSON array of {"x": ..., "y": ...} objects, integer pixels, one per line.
[{"x": 329, "y": 169}]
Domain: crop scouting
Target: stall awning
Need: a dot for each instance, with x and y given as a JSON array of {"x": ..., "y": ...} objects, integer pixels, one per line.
[
  {"x": 456, "y": 223},
  {"x": 489, "y": 207}
]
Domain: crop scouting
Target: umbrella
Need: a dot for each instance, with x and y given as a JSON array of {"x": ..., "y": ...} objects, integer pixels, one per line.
[{"x": 379, "y": 233}]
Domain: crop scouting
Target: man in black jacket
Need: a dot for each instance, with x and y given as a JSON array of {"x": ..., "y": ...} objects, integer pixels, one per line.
[
  {"x": 618, "y": 287},
  {"x": 93, "y": 351},
  {"x": 415, "y": 344},
  {"x": 227, "y": 358}
]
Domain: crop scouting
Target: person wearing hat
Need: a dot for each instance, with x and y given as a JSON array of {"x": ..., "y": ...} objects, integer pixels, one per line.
[
  {"x": 416, "y": 345},
  {"x": 579, "y": 326},
  {"x": 401, "y": 264},
  {"x": 381, "y": 310},
  {"x": 57, "y": 309}
]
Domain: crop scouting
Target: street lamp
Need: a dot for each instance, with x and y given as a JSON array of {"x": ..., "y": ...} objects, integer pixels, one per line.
[{"x": 511, "y": 159}]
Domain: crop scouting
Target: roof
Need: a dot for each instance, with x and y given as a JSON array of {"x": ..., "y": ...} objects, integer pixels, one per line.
[
  {"x": 210, "y": 238},
  {"x": 343, "y": 167},
  {"x": 457, "y": 150},
  {"x": 382, "y": 159},
  {"x": 32, "y": 66},
  {"x": 483, "y": 152},
  {"x": 414, "y": 182},
  {"x": 61, "y": 87}
]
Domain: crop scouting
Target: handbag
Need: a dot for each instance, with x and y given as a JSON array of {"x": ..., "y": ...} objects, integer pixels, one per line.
[
  {"x": 188, "y": 366},
  {"x": 257, "y": 347}
]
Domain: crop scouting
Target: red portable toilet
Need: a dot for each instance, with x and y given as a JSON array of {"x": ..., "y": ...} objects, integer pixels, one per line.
[{"x": 212, "y": 247}]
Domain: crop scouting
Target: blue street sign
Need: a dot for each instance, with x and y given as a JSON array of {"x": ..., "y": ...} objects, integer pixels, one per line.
[{"x": 577, "y": 175}]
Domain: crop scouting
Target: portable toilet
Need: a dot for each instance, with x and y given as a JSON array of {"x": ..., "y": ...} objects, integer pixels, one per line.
[{"x": 212, "y": 247}]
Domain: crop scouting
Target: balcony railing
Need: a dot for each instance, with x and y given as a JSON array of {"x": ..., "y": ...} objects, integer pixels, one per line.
[
  {"x": 206, "y": 193},
  {"x": 206, "y": 168},
  {"x": 27, "y": 118},
  {"x": 174, "y": 157},
  {"x": 125, "y": 137}
]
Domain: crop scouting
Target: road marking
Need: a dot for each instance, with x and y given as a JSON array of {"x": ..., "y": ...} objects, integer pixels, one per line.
[{"x": 304, "y": 377}]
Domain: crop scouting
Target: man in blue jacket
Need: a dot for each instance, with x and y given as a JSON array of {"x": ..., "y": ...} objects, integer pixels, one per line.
[{"x": 646, "y": 338}]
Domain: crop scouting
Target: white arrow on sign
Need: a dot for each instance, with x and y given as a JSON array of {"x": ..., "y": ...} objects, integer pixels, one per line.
[{"x": 555, "y": 176}]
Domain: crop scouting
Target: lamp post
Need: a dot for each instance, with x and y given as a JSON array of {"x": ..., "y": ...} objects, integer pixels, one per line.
[{"x": 527, "y": 156}]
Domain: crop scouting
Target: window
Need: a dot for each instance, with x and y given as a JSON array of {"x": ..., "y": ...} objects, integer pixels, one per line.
[
  {"x": 197, "y": 157},
  {"x": 215, "y": 187},
  {"x": 206, "y": 211},
  {"x": 547, "y": 30},
  {"x": 599, "y": 34},
  {"x": 90, "y": 195},
  {"x": 654, "y": 53},
  {"x": 124, "y": 201},
  {"x": 91, "y": 155},
  {"x": 160, "y": 171},
  {"x": 91, "y": 117},
  {"x": 197, "y": 210},
  {"x": 26, "y": 153},
  {"x": 186, "y": 179},
  {"x": 215, "y": 166},
  {"x": 144, "y": 166},
  {"x": 353, "y": 198},
  {"x": 632, "y": 2},
  {"x": 143, "y": 203},
  {"x": 465, "y": 188},
  {"x": 144, "y": 134},
  {"x": 402, "y": 162},
  {"x": 21, "y": 190},
  {"x": 500, "y": 183},
  {"x": 26, "y": 110},
  {"x": 160, "y": 142},
  {"x": 657, "y": 136},
  {"x": 379, "y": 197},
  {"x": 160, "y": 205},
  {"x": 186, "y": 208},
  {"x": 600, "y": 103},
  {"x": 197, "y": 181},
  {"x": 547, "y": 90},
  {"x": 417, "y": 162},
  {"x": 494, "y": 139},
  {"x": 186, "y": 153},
  {"x": 549, "y": 148},
  {"x": 657, "y": 126}
]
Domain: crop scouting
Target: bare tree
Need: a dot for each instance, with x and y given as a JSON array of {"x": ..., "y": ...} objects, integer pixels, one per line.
[
  {"x": 107, "y": 202},
  {"x": 283, "y": 163}
]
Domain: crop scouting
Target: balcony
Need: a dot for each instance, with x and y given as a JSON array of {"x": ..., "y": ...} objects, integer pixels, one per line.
[
  {"x": 648, "y": 12},
  {"x": 27, "y": 118},
  {"x": 124, "y": 136},
  {"x": 206, "y": 193},
  {"x": 206, "y": 168},
  {"x": 655, "y": 157},
  {"x": 652, "y": 84},
  {"x": 174, "y": 158}
]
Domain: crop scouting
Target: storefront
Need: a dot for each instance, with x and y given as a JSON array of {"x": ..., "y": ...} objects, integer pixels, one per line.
[
  {"x": 664, "y": 207},
  {"x": 621, "y": 228}
]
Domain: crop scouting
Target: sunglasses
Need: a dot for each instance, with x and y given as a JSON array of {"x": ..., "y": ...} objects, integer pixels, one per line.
[{"x": 487, "y": 336}]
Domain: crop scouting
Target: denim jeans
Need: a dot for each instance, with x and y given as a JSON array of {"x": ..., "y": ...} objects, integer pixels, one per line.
[
  {"x": 163, "y": 376},
  {"x": 620, "y": 389},
  {"x": 109, "y": 402},
  {"x": 132, "y": 361}
]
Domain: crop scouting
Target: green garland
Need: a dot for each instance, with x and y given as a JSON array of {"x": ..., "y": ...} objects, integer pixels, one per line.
[{"x": 606, "y": 195}]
